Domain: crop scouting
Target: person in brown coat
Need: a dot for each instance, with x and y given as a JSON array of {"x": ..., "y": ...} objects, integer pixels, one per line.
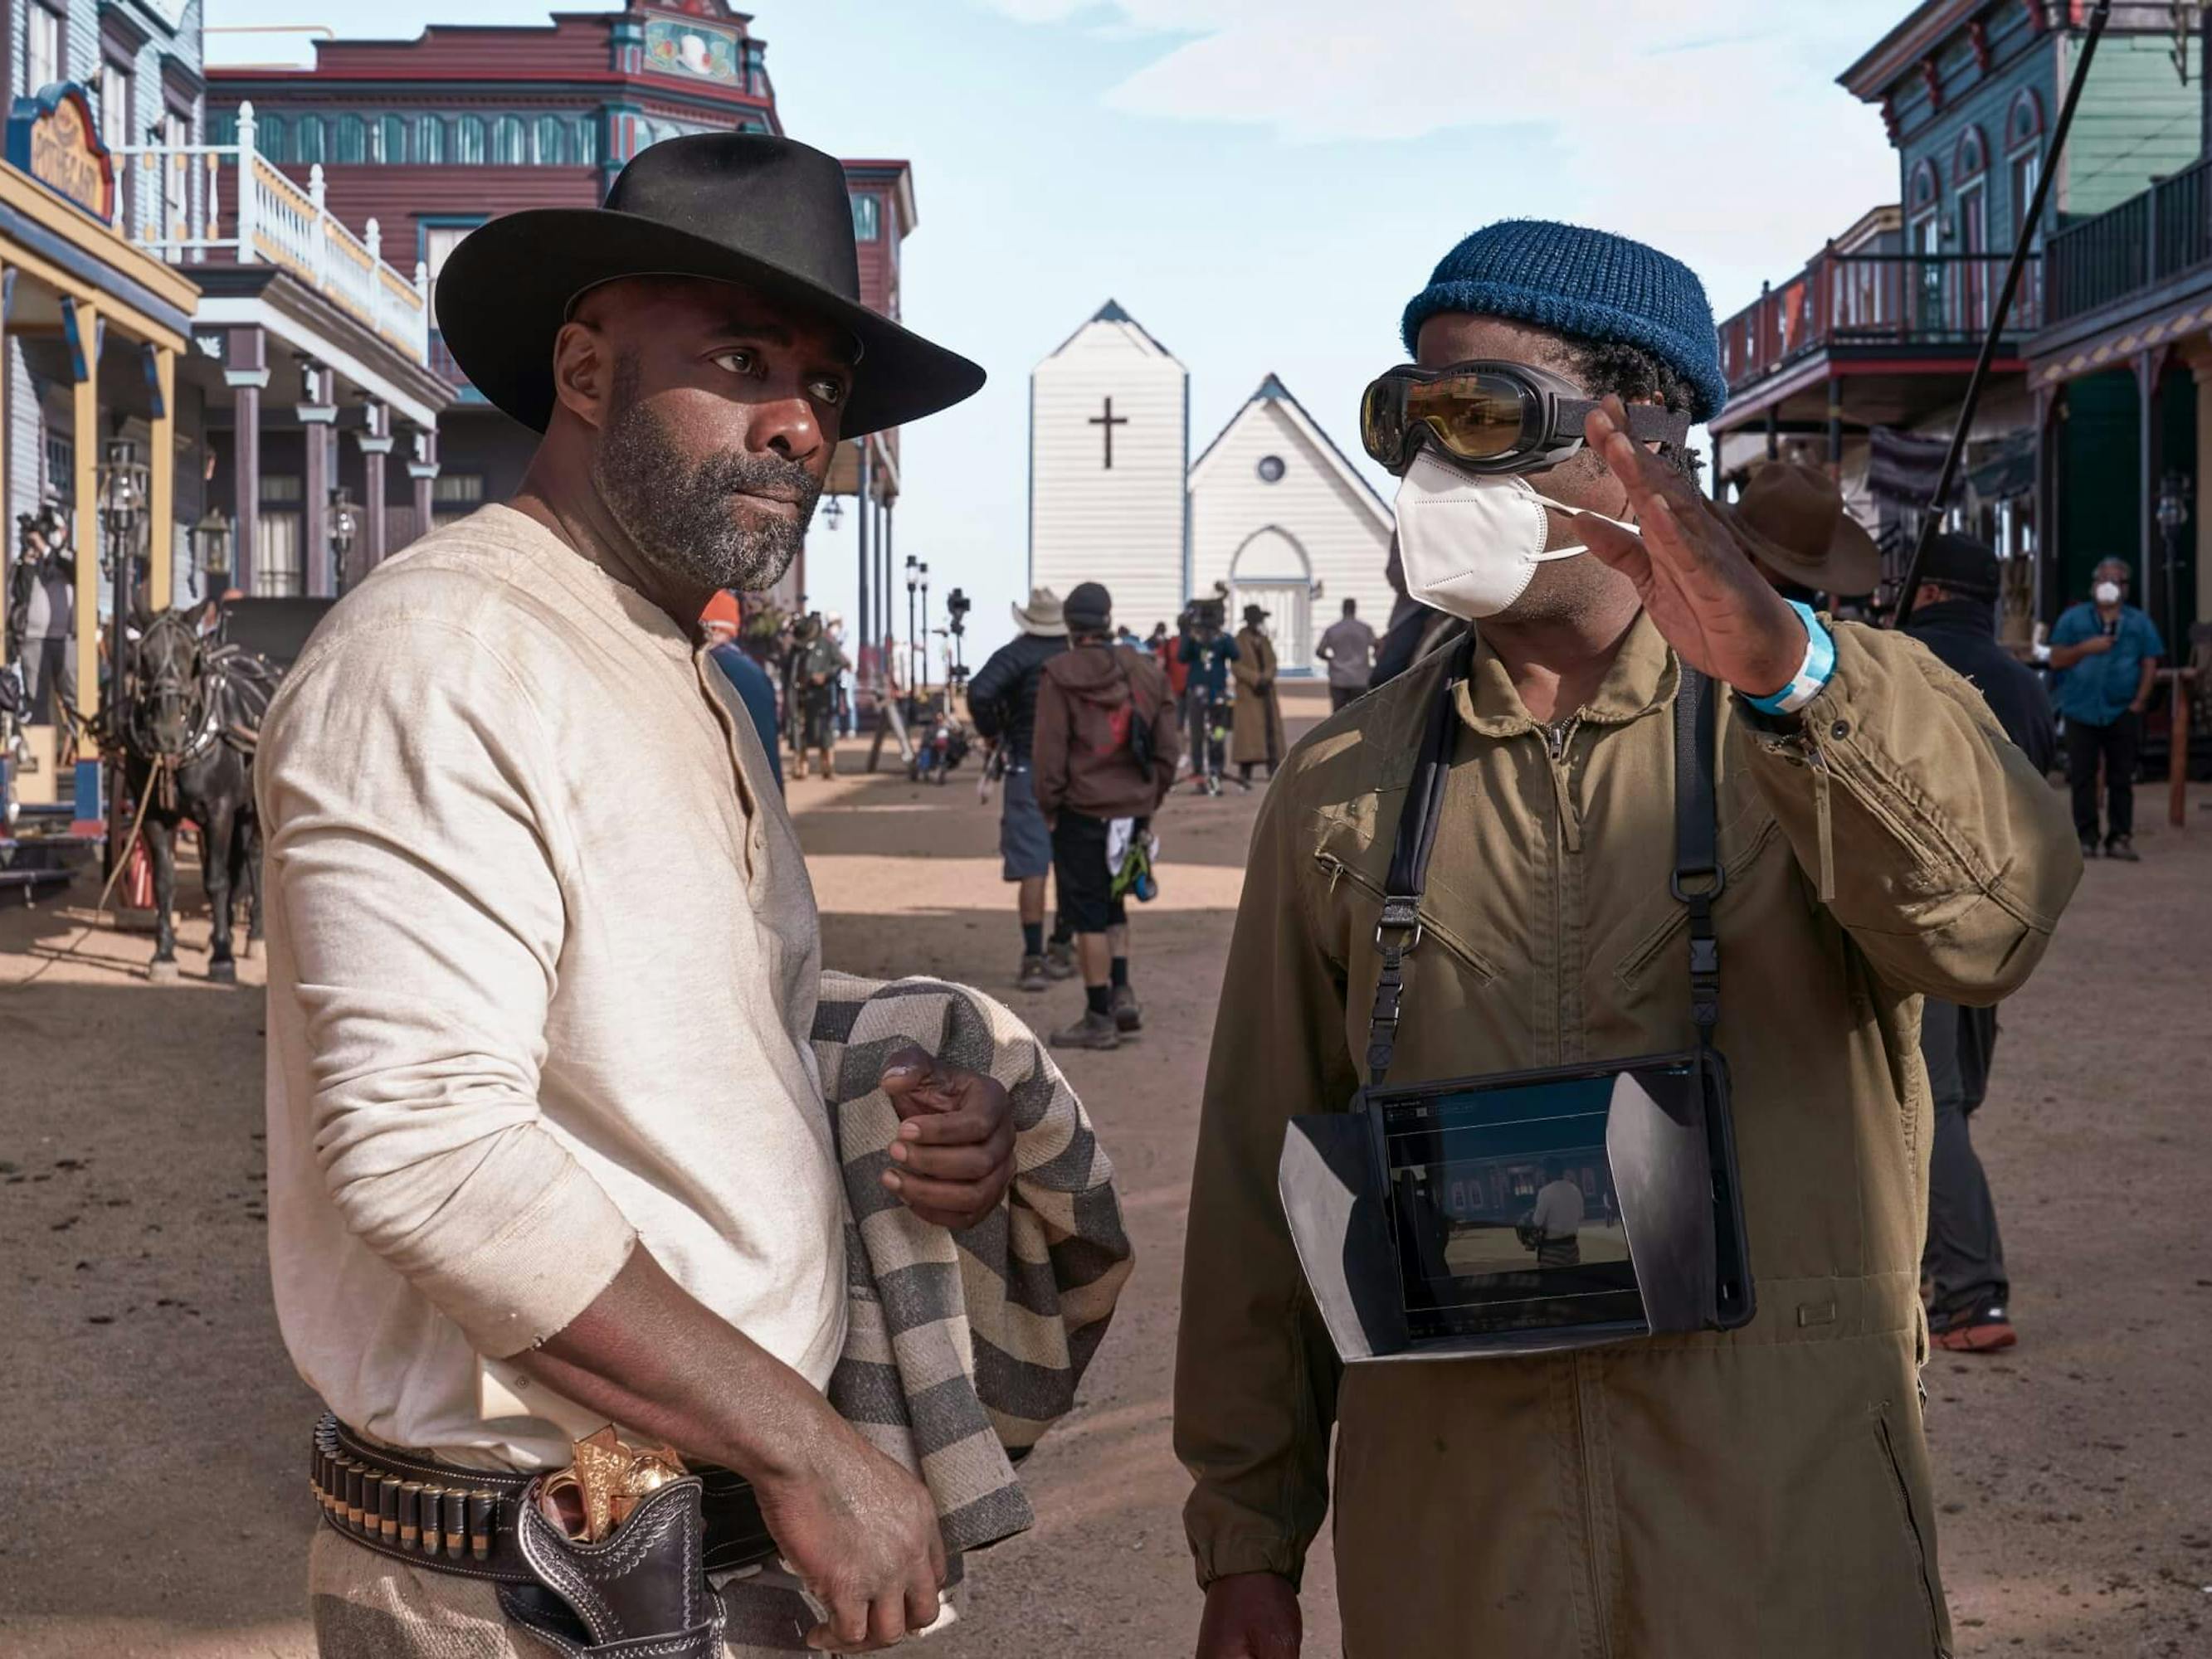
[
  {"x": 1256, "y": 737},
  {"x": 1103, "y": 749}
]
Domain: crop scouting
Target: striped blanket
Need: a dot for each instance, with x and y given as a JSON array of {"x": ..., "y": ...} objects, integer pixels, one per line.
[{"x": 964, "y": 1348}]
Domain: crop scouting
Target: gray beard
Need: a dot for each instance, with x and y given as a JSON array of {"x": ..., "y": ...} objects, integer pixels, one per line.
[{"x": 678, "y": 515}]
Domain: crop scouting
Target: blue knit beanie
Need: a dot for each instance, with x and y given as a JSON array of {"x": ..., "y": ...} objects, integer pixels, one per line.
[{"x": 1586, "y": 283}]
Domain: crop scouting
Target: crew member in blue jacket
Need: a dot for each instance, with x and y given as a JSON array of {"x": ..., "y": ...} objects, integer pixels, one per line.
[{"x": 2107, "y": 653}]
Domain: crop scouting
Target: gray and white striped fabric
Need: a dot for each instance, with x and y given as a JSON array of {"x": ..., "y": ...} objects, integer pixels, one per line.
[{"x": 964, "y": 1348}]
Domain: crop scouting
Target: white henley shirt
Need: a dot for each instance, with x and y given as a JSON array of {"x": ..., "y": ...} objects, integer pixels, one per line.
[{"x": 543, "y": 964}]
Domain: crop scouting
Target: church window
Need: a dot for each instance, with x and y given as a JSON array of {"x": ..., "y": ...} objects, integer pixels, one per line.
[
  {"x": 429, "y": 139},
  {"x": 867, "y": 217},
  {"x": 1271, "y": 469},
  {"x": 469, "y": 141},
  {"x": 391, "y": 140},
  {"x": 350, "y": 143},
  {"x": 587, "y": 140},
  {"x": 307, "y": 139},
  {"x": 552, "y": 141},
  {"x": 508, "y": 149}
]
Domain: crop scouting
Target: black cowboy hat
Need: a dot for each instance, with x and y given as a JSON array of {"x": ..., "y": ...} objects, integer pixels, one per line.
[{"x": 768, "y": 213}]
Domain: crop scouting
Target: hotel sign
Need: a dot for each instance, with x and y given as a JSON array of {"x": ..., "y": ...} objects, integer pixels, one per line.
[{"x": 53, "y": 137}]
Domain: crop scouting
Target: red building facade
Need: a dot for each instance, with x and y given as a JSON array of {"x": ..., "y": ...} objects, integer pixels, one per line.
[{"x": 432, "y": 136}]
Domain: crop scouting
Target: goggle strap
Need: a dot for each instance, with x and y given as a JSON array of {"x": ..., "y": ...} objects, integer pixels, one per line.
[{"x": 1647, "y": 422}]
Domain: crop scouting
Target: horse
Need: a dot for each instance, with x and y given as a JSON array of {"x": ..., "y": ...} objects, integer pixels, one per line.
[{"x": 189, "y": 719}]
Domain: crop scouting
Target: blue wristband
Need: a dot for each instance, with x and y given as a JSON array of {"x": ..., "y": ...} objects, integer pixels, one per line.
[{"x": 1814, "y": 673}]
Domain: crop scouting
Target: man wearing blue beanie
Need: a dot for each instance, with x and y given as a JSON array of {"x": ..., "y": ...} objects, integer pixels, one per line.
[{"x": 1841, "y": 830}]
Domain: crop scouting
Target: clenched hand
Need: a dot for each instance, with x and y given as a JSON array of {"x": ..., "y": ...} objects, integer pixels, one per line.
[{"x": 955, "y": 1151}]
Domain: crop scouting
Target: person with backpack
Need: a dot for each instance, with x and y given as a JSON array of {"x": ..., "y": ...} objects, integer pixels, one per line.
[{"x": 1103, "y": 752}]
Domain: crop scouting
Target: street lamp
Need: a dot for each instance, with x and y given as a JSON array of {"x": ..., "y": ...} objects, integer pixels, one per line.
[
  {"x": 2173, "y": 492},
  {"x": 121, "y": 486},
  {"x": 345, "y": 526},
  {"x": 910, "y": 589},
  {"x": 211, "y": 553},
  {"x": 921, "y": 644},
  {"x": 833, "y": 510}
]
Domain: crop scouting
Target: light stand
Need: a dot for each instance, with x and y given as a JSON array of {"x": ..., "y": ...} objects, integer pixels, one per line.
[
  {"x": 123, "y": 483},
  {"x": 922, "y": 645},
  {"x": 2172, "y": 515}
]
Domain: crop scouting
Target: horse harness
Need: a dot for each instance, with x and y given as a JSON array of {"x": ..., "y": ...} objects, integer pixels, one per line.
[{"x": 224, "y": 701}]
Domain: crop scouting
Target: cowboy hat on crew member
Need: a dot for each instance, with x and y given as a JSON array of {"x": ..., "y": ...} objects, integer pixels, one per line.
[
  {"x": 1253, "y": 616},
  {"x": 1791, "y": 519},
  {"x": 767, "y": 214},
  {"x": 1042, "y": 616}
]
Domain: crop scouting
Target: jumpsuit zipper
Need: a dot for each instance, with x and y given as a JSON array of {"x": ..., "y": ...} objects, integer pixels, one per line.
[{"x": 1559, "y": 743}]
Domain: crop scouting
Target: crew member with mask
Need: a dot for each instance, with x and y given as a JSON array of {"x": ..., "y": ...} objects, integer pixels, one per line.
[
  {"x": 1969, "y": 1291},
  {"x": 2106, "y": 653},
  {"x": 1761, "y": 1492}
]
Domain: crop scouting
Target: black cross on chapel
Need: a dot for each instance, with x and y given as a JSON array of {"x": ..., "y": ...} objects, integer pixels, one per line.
[{"x": 1107, "y": 421}]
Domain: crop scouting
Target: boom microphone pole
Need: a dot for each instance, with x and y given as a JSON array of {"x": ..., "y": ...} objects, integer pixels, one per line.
[{"x": 1934, "y": 516}]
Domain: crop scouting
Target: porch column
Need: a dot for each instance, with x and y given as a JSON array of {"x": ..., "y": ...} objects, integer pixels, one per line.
[
  {"x": 375, "y": 441},
  {"x": 7, "y": 304},
  {"x": 161, "y": 477},
  {"x": 83, "y": 325},
  {"x": 2150, "y": 555},
  {"x": 864, "y": 642},
  {"x": 423, "y": 469},
  {"x": 2200, "y": 368},
  {"x": 1835, "y": 431},
  {"x": 319, "y": 417},
  {"x": 1774, "y": 432},
  {"x": 247, "y": 376}
]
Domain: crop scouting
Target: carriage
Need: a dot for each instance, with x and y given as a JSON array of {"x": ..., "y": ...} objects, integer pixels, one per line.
[{"x": 176, "y": 750}]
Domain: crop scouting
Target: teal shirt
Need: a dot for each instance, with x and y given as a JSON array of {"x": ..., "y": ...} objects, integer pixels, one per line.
[{"x": 2098, "y": 690}]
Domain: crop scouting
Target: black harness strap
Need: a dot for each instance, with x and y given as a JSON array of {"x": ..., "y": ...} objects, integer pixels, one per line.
[
  {"x": 1398, "y": 929},
  {"x": 1696, "y": 880},
  {"x": 1698, "y": 877}
]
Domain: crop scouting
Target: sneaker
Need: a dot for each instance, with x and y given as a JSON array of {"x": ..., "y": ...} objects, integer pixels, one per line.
[
  {"x": 1030, "y": 975},
  {"x": 2123, "y": 847},
  {"x": 2088, "y": 848},
  {"x": 1985, "y": 1330},
  {"x": 1128, "y": 1012},
  {"x": 1059, "y": 958},
  {"x": 1093, "y": 1030}
]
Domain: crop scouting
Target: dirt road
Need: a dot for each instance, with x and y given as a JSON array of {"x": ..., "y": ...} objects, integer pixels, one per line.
[{"x": 151, "y": 1484}]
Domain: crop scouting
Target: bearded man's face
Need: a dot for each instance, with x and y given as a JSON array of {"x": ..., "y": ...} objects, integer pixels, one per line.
[{"x": 720, "y": 424}]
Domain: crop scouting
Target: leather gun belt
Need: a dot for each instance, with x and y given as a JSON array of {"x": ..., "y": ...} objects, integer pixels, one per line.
[{"x": 450, "y": 1519}]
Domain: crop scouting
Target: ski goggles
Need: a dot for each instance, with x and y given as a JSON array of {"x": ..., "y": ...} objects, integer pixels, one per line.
[{"x": 1490, "y": 417}]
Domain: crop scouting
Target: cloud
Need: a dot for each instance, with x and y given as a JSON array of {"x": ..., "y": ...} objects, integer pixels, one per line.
[{"x": 1654, "y": 122}]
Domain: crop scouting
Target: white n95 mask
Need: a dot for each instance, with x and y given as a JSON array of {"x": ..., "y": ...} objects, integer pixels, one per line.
[{"x": 1471, "y": 544}]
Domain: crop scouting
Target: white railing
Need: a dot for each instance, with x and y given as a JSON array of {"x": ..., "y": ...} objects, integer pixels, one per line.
[{"x": 172, "y": 200}]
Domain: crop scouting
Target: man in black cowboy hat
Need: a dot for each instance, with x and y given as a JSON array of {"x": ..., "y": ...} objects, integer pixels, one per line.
[{"x": 533, "y": 884}]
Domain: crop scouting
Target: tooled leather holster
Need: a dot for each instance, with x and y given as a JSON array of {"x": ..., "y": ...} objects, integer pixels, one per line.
[{"x": 641, "y": 1591}]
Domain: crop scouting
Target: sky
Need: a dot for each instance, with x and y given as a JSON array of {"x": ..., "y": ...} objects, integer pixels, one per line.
[{"x": 1262, "y": 184}]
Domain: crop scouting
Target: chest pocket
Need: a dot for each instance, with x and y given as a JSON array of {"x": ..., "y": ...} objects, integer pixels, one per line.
[
  {"x": 1356, "y": 897},
  {"x": 1758, "y": 837}
]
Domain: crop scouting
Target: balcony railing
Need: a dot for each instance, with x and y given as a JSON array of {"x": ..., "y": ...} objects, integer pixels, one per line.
[
  {"x": 443, "y": 365},
  {"x": 1874, "y": 299},
  {"x": 188, "y": 204},
  {"x": 2146, "y": 241}
]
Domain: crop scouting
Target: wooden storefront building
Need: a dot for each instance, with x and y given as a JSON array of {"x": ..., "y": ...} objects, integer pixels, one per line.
[{"x": 434, "y": 136}]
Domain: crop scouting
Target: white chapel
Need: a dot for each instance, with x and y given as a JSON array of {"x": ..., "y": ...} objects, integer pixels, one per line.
[{"x": 1272, "y": 507}]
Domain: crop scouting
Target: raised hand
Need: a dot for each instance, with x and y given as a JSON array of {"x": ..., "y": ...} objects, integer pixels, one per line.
[
  {"x": 955, "y": 1151},
  {"x": 1700, "y": 589}
]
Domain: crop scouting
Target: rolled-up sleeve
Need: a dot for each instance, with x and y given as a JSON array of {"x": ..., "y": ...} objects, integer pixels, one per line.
[
  {"x": 414, "y": 864},
  {"x": 1932, "y": 839}
]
